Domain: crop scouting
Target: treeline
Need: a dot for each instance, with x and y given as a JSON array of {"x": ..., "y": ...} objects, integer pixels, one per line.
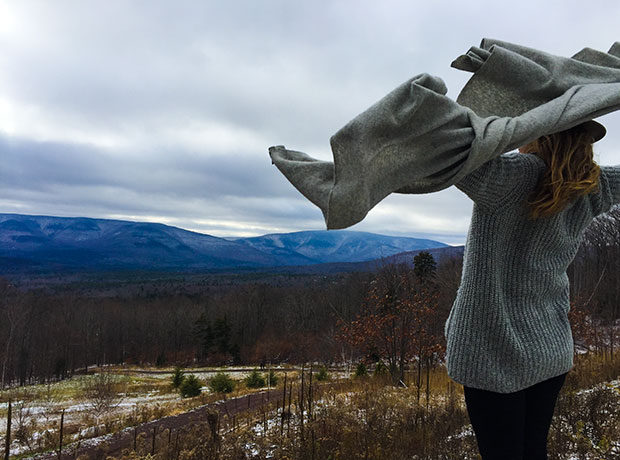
[{"x": 46, "y": 336}]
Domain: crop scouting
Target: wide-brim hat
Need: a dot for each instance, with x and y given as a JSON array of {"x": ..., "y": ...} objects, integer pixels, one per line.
[
  {"x": 509, "y": 80},
  {"x": 596, "y": 129}
]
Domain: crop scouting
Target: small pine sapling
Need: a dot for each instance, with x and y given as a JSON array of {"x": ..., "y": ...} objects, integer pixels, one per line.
[{"x": 191, "y": 386}]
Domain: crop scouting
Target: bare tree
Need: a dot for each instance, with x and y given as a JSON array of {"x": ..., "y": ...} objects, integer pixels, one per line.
[
  {"x": 25, "y": 418},
  {"x": 15, "y": 311},
  {"x": 103, "y": 391},
  {"x": 595, "y": 278},
  {"x": 49, "y": 397}
]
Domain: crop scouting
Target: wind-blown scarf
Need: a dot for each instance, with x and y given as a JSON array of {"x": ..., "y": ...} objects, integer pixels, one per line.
[{"x": 417, "y": 140}]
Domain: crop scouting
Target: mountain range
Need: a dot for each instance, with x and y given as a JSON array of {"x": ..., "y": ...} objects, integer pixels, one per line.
[{"x": 56, "y": 243}]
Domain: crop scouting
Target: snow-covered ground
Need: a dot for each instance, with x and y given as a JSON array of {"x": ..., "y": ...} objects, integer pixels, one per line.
[
  {"x": 73, "y": 408},
  {"x": 41, "y": 416},
  {"x": 45, "y": 414}
]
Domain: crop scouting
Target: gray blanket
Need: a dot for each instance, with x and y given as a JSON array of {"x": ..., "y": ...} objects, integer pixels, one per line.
[{"x": 417, "y": 140}]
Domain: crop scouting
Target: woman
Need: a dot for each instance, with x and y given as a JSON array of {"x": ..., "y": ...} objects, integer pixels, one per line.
[{"x": 508, "y": 336}]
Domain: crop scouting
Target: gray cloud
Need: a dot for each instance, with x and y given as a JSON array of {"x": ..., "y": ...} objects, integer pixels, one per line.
[{"x": 164, "y": 110}]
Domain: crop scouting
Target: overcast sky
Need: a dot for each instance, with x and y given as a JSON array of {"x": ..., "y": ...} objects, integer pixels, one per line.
[{"x": 163, "y": 111}]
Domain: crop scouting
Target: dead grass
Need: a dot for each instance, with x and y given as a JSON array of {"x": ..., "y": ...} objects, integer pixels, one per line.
[
  {"x": 366, "y": 418},
  {"x": 369, "y": 419}
]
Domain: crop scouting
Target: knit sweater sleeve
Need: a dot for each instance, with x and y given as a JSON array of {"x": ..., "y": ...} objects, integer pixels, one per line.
[
  {"x": 496, "y": 182},
  {"x": 609, "y": 190}
]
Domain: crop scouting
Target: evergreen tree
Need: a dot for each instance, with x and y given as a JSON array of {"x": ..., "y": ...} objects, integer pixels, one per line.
[
  {"x": 272, "y": 377},
  {"x": 255, "y": 380},
  {"x": 191, "y": 386},
  {"x": 203, "y": 334},
  {"x": 381, "y": 368},
  {"x": 215, "y": 337},
  {"x": 221, "y": 334},
  {"x": 322, "y": 375},
  {"x": 161, "y": 359},
  {"x": 221, "y": 383},
  {"x": 361, "y": 370},
  {"x": 177, "y": 377},
  {"x": 424, "y": 265}
]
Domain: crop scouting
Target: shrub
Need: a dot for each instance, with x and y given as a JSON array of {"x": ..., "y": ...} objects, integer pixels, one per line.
[
  {"x": 191, "y": 386},
  {"x": 361, "y": 370},
  {"x": 161, "y": 359},
  {"x": 255, "y": 380},
  {"x": 177, "y": 377},
  {"x": 273, "y": 378},
  {"x": 322, "y": 375},
  {"x": 380, "y": 368},
  {"x": 222, "y": 383}
]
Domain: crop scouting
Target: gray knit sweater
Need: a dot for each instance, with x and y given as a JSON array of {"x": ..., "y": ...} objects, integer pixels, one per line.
[{"x": 508, "y": 328}]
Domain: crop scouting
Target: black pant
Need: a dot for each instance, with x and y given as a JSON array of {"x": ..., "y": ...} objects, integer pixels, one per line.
[{"x": 513, "y": 426}]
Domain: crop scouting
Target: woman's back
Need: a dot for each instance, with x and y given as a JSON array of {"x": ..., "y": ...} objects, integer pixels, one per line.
[{"x": 508, "y": 328}]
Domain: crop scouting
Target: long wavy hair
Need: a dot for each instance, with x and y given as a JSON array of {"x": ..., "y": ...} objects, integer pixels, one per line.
[{"x": 571, "y": 170}]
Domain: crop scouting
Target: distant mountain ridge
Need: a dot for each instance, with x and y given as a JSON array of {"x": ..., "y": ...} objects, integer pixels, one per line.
[
  {"x": 93, "y": 243},
  {"x": 48, "y": 243},
  {"x": 340, "y": 246}
]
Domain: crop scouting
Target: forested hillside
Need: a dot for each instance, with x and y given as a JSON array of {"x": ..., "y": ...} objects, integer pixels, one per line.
[{"x": 49, "y": 334}]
